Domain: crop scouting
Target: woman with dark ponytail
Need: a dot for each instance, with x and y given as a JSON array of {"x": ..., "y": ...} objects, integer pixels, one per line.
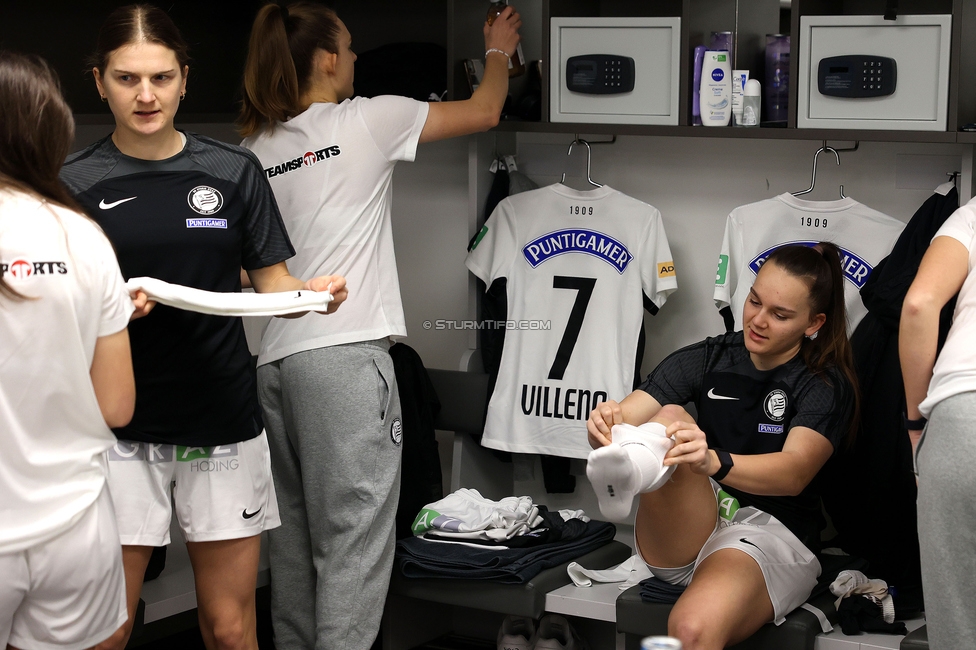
[
  {"x": 728, "y": 503},
  {"x": 67, "y": 378},
  {"x": 327, "y": 389}
]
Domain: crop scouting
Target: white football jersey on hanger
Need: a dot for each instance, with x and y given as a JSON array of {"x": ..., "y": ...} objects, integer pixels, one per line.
[
  {"x": 752, "y": 232},
  {"x": 578, "y": 265}
]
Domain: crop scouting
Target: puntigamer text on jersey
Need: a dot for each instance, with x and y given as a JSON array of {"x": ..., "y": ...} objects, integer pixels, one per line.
[
  {"x": 307, "y": 159},
  {"x": 578, "y": 240}
]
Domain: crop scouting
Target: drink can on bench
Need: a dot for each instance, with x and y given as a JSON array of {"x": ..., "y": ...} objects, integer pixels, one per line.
[{"x": 660, "y": 643}]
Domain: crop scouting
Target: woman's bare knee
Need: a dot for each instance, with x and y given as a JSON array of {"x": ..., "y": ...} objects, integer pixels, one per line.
[
  {"x": 231, "y": 634},
  {"x": 672, "y": 413},
  {"x": 689, "y": 627}
]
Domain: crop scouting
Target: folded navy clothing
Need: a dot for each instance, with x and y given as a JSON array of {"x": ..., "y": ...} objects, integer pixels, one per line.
[
  {"x": 655, "y": 590},
  {"x": 425, "y": 558}
]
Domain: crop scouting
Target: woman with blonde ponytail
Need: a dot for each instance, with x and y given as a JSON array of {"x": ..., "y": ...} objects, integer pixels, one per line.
[
  {"x": 728, "y": 503},
  {"x": 327, "y": 389}
]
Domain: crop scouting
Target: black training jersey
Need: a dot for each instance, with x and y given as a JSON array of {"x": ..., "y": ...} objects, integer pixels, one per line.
[
  {"x": 748, "y": 411},
  {"x": 194, "y": 219}
]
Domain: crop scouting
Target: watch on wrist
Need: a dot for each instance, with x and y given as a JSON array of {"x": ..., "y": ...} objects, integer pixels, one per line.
[
  {"x": 913, "y": 425},
  {"x": 725, "y": 460}
]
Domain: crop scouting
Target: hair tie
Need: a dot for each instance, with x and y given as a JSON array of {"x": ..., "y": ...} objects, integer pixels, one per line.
[{"x": 818, "y": 248}]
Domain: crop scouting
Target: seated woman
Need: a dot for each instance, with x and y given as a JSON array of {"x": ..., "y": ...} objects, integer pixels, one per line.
[{"x": 728, "y": 505}]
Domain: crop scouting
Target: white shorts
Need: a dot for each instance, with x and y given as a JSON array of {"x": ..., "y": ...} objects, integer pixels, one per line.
[
  {"x": 222, "y": 492},
  {"x": 69, "y": 592},
  {"x": 789, "y": 568}
]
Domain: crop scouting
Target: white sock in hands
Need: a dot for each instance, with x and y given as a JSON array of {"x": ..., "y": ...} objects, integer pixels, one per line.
[{"x": 632, "y": 464}]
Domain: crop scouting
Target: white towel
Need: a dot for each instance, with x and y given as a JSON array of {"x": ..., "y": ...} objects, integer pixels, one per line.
[{"x": 231, "y": 304}]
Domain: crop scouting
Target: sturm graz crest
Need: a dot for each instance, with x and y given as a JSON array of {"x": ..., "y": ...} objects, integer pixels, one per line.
[{"x": 396, "y": 431}]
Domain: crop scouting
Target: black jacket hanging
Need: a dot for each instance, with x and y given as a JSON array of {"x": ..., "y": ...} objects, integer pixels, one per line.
[
  {"x": 869, "y": 488},
  {"x": 420, "y": 474}
]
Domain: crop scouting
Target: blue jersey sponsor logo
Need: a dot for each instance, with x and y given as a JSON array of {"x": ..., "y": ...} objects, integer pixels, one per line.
[
  {"x": 578, "y": 240},
  {"x": 856, "y": 269},
  {"x": 206, "y": 223},
  {"x": 770, "y": 428}
]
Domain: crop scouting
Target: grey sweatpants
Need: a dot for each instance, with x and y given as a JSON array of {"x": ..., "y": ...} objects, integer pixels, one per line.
[
  {"x": 945, "y": 459},
  {"x": 333, "y": 421}
]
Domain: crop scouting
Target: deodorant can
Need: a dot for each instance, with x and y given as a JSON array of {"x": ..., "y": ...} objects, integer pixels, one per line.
[{"x": 660, "y": 643}]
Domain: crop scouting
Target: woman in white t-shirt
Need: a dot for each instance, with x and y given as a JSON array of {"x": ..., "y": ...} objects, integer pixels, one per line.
[
  {"x": 943, "y": 390},
  {"x": 327, "y": 389},
  {"x": 67, "y": 377}
]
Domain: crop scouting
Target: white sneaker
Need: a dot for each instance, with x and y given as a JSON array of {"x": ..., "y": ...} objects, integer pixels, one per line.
[
  {"x": 516, "y": 633},
  {"x": 555, "y": 633}
]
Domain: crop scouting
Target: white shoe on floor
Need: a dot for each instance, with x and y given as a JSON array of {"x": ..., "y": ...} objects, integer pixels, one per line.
[
  {"x": 516, "y": 633},
  {"x": 555, "y": 633}
]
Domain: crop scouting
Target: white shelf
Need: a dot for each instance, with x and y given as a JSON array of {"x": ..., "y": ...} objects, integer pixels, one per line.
[{"x": 598, "y": 602}]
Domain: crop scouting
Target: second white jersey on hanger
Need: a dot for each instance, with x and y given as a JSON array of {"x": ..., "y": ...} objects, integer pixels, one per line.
[
  {"x": 752, "y": 232},
  {"x": 578, "y": 265}
]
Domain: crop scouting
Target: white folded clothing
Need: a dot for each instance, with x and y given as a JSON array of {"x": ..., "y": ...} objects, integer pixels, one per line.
[
  {"x": 851, "y": 582},
  {"x": 568, "y": 514},
  {"x": 486, "y": 534},
  {"x": 231, "y": 304},
  {"x": 845, "y": 582},
  {"x": 466, "y": 511},
  {"x": 628, "y": 573}
]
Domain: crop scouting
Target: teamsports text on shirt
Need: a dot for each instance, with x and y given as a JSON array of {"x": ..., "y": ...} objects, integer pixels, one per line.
[
  {"x": 24, "y": 268},
  {"x": 307, "y": 159}
]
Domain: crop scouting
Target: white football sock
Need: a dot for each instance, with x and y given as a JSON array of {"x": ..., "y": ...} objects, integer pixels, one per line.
[{"x": 632, "y": 464}]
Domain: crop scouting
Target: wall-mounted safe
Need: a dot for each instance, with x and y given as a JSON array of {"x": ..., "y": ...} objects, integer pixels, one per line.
[
  {"x": 864, "y": 72},
  {"x": 614, "y": 70}
]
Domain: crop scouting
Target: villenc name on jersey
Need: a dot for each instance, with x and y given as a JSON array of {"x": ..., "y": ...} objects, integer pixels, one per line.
[
  {"x": 307, "y": 159},
  {"x": 560, "y": 403}
]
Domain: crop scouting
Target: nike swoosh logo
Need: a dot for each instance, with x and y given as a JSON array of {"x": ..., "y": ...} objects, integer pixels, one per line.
[
  {"x": 746, "y": 541},
  {"x": 712, "y": 395},
  {"x": 248, "y": 515},
  {"x": 108, "y": 206}
]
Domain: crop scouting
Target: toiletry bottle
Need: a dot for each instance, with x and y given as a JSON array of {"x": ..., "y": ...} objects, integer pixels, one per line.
[
  {"x": 516, "y": 64},
  {"x": 696, "y": 86},
  {"x": 716, "y": 89},
  {"x": 777, "y": 77},
  {"x": 739, "y": 79},
  {"x": 751, "y": 103}
]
